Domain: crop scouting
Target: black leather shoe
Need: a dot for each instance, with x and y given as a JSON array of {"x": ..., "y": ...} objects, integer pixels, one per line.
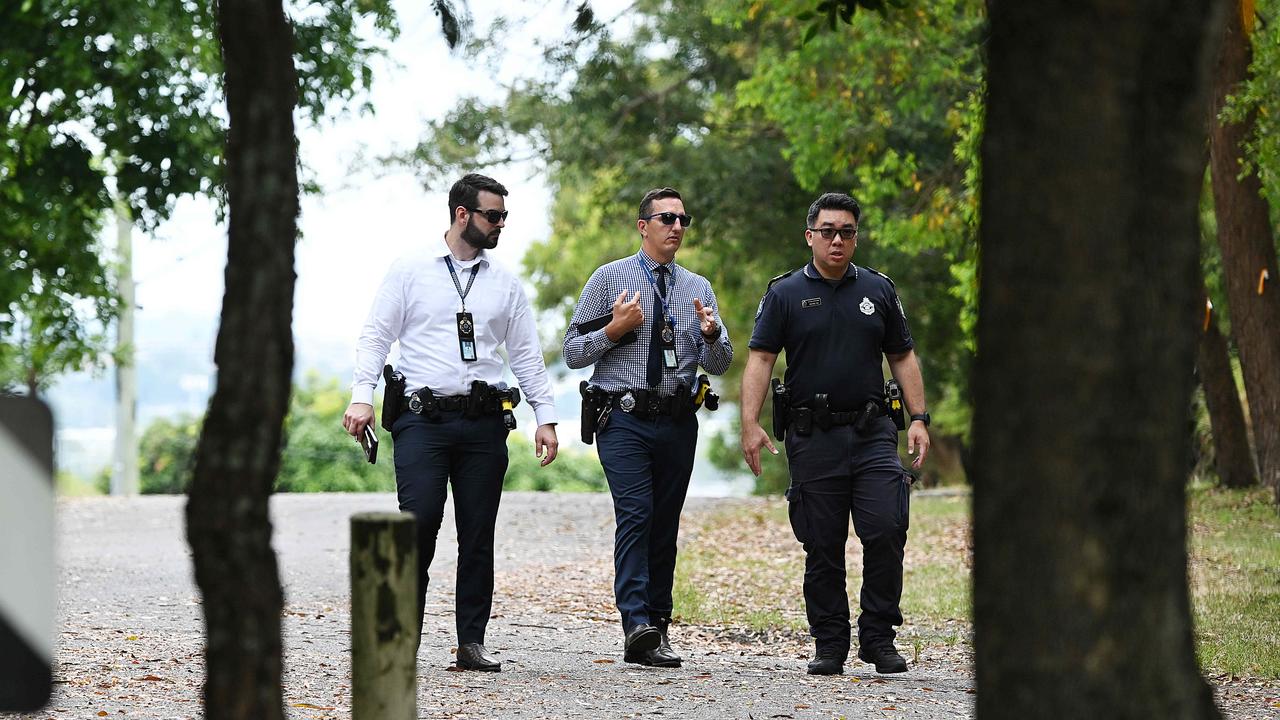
[
  {"x": 473, "y": 656},
  {"x": 639, "y": 642},
  {"x": 663, "y": 655},
  {"x": 826, "y": 665},
  {"x": 884, "y": 656}
]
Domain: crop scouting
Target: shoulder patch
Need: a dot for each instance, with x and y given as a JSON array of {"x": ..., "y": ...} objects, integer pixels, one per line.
[
  {"x": 886, "y": 277},
  {"x": 783, "y": 275}
]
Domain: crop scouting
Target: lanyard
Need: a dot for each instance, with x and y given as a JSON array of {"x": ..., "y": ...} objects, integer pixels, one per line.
[
  {"x": 462, "y": 294},
  {"x": 666, "y": 309}
]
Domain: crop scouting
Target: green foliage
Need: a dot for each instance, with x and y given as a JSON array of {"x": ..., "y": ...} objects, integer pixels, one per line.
[
  {"x": 725, "y": 101},
  {"x": 1261, "y": 95},
  {"x": 570, "y": 472},
  {"x": 123, "y": 96},
  {"x": 166, "y": 453},
  {"x": 319, "y": 456}
]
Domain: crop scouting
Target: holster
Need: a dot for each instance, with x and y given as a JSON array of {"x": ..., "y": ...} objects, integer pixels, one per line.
[
  {"x": 781, "y": 409},
  {"x": 893, "y": 401},
  {"x": 392, "y": 396},
  {"x": 589, "y": 411}
]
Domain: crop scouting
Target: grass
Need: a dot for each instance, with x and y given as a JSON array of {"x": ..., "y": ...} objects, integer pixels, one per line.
[
  {"x": 1235, "y": 581},
  {"x": 742, "y": 568}
]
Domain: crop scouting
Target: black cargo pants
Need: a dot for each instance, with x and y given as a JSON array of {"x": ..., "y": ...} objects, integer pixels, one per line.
[{"x": 834, "y": 474}]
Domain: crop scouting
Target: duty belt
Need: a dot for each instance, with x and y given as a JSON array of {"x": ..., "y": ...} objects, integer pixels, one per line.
[
  {"x": 807, "y": 416},
  {"x": 443, "y": 402},
  {"x": 647, "y": 403}
]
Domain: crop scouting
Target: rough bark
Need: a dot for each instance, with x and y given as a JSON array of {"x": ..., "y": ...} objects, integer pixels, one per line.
[
  {"x": 1092, "y": 160},
  {"x": 1232, "y": 457},
  {"x": 239, "y": 450},
  {"x": 1248, "y": 249}
]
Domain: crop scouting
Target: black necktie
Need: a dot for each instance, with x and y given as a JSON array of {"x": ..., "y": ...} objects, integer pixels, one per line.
[{"x": 653, "y": 375}]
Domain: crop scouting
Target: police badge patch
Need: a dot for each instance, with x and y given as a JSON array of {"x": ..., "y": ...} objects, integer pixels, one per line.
[{"x": 867, "y": 307}]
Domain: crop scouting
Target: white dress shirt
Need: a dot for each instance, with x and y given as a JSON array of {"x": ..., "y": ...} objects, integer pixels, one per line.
[{"x": 417, "y": 304}]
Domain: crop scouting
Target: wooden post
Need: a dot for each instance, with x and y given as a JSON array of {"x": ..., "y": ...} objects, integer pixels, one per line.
[{"x": 384, "y": 631}]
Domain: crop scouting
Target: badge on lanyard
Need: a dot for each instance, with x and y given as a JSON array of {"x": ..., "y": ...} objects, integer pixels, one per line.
[
  {"x": 466, "y": 324},
  {"x": 669, "y": 345},
  {"x": 466, "y": 337}
]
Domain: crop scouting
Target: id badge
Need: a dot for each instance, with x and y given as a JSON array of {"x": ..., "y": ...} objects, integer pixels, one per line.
[
  {"x": 467, "y": 337},
  {"x": 668, "y": 347}
]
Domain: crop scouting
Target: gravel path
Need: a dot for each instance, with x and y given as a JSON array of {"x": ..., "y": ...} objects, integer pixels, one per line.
[{"x": 130, "y": 633}]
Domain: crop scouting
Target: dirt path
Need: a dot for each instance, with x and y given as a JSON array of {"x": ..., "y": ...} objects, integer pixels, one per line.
[{"x": 130, "y": 634}]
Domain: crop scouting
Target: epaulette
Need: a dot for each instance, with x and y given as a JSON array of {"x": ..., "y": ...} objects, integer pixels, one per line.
[
  {"x": 886, "y": 277},
  {"x": 783, "y": 275}
]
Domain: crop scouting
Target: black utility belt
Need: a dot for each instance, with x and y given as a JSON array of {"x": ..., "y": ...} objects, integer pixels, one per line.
[
  {"x": 648, "y": 403},
  {"x": 805, "y": 418},
  {"x": 483, "y": 400}
]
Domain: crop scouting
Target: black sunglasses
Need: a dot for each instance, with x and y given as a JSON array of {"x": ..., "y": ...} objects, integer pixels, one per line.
[
  {"x": 827, "y": 233},
  {"x": 493, "y": 216},
  {"x": 669, "y": 218}
]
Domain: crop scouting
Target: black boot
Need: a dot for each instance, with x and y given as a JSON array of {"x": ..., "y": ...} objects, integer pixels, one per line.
[{"x": 663, "y": 655}]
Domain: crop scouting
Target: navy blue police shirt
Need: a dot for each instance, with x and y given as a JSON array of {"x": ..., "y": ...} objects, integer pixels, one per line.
[{"x": 834, "y": 333}]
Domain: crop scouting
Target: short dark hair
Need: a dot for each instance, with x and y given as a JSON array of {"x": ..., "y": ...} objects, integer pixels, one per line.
[
  {"x": 833, "y": 201},
  {"x": 466, "y": 192},
  {"x": 646, "y": 202}
]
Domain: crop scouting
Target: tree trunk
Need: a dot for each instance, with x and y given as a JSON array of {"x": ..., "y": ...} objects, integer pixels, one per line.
[
  {"x": 1248, "y": 250},
  {"x": 239, "y": 451},
  {"x": 1231, "y": 455},
  {"x": 1092, "y": 166}
]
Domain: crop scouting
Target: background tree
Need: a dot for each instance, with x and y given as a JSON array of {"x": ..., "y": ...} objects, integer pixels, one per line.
[
  {"x": 122, "y": 97},
  {"x": 1246, "y": 241},
  {"x": 1091, "y": 169}
]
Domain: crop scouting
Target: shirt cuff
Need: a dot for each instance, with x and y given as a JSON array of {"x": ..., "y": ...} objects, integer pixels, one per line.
[
  {"x": 362, "y": 394},
  {"x": 601, "y": 338},
  {"x": 545, "y": 414}
]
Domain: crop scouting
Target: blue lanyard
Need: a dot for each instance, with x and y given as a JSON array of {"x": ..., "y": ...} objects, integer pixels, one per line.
[{"x": 666, "y": 309}]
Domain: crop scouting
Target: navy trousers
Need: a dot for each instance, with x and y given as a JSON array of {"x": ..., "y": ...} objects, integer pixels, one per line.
[
  {"x": 835, "y": 474},
  {"x": 647, "y": 463},
  {"x": 470, "y": 455}
]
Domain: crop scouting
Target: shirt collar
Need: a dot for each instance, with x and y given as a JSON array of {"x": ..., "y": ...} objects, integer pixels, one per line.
[
  {"x": 649, "y": 264},
  {"x": 811, "y": 272},
  {"x": 442, "y": 251}
]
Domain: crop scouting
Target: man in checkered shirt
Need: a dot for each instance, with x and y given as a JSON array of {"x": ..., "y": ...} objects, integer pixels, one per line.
[{"x": 646, "y": 324}]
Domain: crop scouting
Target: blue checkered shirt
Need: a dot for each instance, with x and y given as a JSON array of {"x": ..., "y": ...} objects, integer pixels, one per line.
[{"x": 622, "y": 367}]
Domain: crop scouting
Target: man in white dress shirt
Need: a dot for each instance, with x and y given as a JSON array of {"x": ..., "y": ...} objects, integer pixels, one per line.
[{"x": 451, "y": 306}]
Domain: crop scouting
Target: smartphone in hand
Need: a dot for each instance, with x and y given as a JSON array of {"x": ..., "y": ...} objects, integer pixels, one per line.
[{"x": 369, "y": 443}]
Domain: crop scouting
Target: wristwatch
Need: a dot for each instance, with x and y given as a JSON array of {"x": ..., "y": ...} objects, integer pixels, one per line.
[{"x": 922, "y": 417}]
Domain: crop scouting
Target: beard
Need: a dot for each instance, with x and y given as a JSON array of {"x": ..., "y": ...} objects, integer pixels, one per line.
[{"x": 478, "y": 240}]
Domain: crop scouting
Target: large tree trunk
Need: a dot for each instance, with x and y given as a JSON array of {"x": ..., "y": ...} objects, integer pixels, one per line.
[
  {"x": 1092, "y": 163},
  {"x": 1248, "y": 249},
  {"x": 239, "y": 450},
  {"x": 1231, "y": 455}
]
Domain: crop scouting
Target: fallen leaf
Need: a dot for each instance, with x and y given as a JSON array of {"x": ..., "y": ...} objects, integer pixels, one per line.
[
  {"x": 132, "y": 637},
  {"x": 889, "y": 707},
  {"x": 153, "y": 678},
  {"x": 102, "y": 713},
  {"x": 603, "y": 661},
  {"x": 309, "y": 706}
]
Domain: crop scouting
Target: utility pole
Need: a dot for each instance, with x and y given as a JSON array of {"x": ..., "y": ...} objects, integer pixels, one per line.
[{"x": 124, "y": 476}]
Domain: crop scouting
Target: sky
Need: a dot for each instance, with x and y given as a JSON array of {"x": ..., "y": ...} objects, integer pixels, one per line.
[{"x": 365, "y": 218}]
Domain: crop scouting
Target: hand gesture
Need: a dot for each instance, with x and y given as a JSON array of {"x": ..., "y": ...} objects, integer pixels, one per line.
[
  {"x": 753, "y": 438},
  {"x": 627, "y": 316},
  {"x": 917, "y": 439},
  {"x": 707, "y": 317},
  {"x": 545, "y": 444}
]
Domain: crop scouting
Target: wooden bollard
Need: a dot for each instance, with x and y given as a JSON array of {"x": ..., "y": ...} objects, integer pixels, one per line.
[{"x": 384, "y": 629}]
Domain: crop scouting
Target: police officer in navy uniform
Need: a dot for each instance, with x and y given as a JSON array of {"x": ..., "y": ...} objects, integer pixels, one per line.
[
  {"x": 835, "y": 321},
  {"x": 647, "y": 323},
  {"x": 451, "y": 305}
]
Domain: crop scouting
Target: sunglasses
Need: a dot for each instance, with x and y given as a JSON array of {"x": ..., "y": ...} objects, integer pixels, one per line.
[
  {"x": 845, "y": 233},
  {"x": 493, "y": 216},
  {"x": 669, "y": 218}
]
